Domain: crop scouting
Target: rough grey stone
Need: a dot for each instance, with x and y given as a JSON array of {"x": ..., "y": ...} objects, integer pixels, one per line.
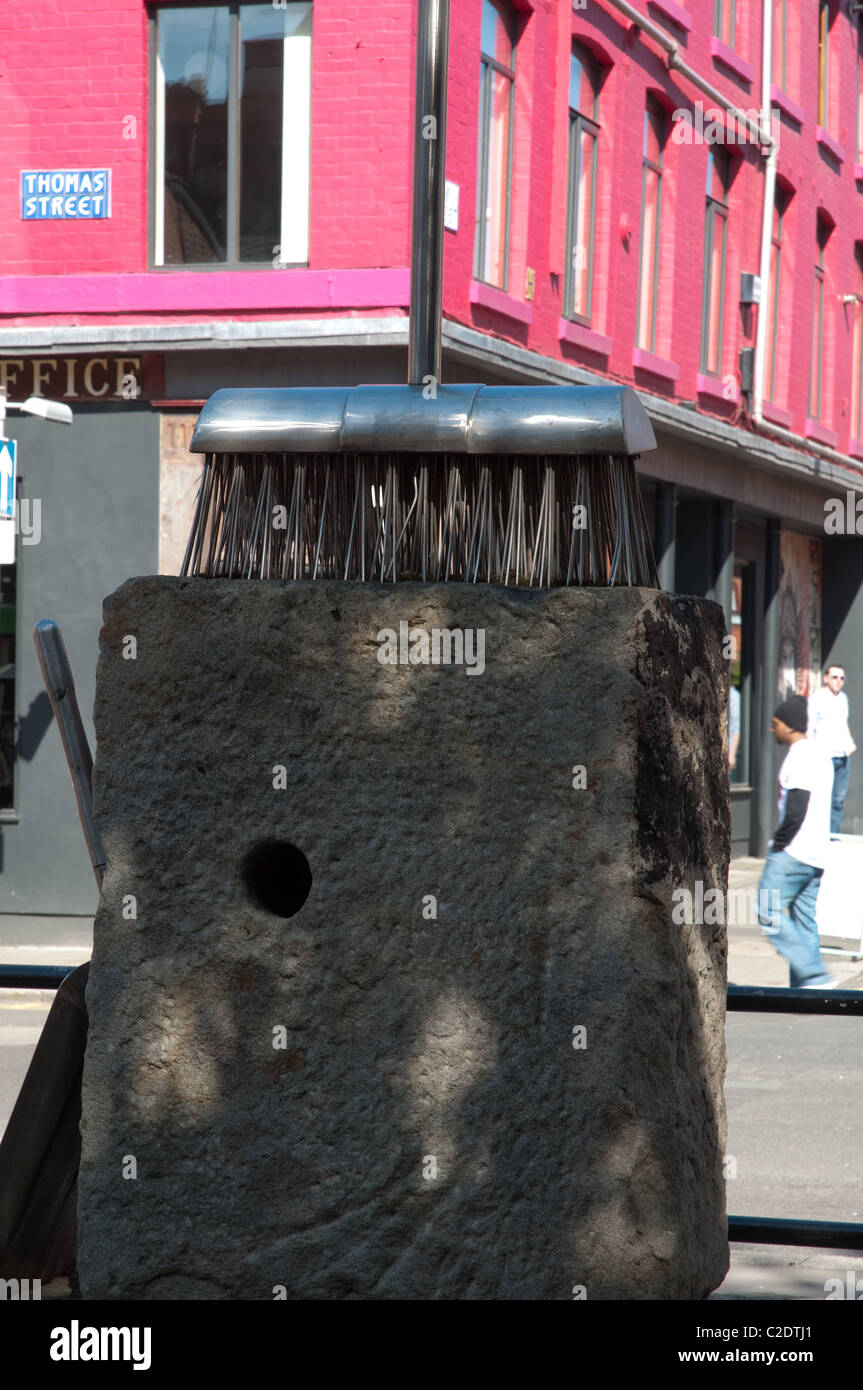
[{"x": 408, "y": 1038}]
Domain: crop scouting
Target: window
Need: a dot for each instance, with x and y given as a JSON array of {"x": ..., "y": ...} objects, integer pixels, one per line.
[
  {"x": 651, "y": 200},
  {"x": 780, "y": 44},
  {"x": 779, "y": 208},
  {"x": 857, "y": 384},
  {"x": 823, "y": 65},
  {"x": 859, "y": 87},
  {"x": 494, "y": 159},
  {"x": 581, "y": 213},
  {"x": 816, "y": 381},
  {"x": 231, "y": 134},
  {"x": 715, "y": 239},
  {"x": 725, "y": 20}
]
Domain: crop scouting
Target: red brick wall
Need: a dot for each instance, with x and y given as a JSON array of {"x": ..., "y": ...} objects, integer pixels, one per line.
[{"x": 73, "y": 74}]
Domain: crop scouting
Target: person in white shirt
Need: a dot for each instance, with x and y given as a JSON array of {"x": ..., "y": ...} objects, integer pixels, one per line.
[
  {"x": 828, "y": 726},
  {"x": 797, "y": 855}
]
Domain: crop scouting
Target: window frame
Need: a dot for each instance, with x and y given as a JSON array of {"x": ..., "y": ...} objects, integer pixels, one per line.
[
  {"x": 714, "y": 210},
  {"x": 648, "y": 165},
  {"x": 720, "y": 9},
  {"x": 816, "y": 375},
  {"x": 581, "y": 124},
  {"x": 156, "y": 161},
  {"x": 859, "y": 113},
  {"x": 780, "y": 26},
  {"x": 824, "y": 64},
  {"x": 488, "y": 65}
]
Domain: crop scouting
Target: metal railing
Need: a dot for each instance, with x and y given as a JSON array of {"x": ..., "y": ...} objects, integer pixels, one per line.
[{"x": 34, "y": 976}]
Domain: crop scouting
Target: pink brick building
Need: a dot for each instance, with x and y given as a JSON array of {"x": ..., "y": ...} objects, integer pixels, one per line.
[{"x": 607, "y": 219}]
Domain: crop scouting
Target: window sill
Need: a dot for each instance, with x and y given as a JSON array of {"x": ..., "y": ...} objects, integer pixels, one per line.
[
  {"x": 729, "y": 59},
  {"x": 9, "y": 817},
  {"x": 776, "y": 415},
  {"x": 784, "y": 102},
  {"x": 676, "y": 13},
  {"x": 832, "y": 146},
  {"x": 657, "y": 366},
  {"x": 855, "y": 448},
  {"x": 715, "y": 387},
  {"x": 813, "y": 429},
  {"x": 858, "y": 172},
  {"x": 197, "y": 291},
  {"x": 489, "y": 297},
  {"x": 579, "y": 336}
]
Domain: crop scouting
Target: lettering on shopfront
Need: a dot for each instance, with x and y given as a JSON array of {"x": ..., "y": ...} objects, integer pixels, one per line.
[{"x": 72, "y": 378}]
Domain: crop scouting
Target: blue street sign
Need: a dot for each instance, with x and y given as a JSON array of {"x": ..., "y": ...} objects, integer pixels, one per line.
[
  {"x": 7, "y": 479},
  {"x": 66, "y": 194}
]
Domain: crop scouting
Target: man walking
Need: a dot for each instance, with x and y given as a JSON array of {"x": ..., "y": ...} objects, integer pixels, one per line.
[
  {"x": 798, "y": 852},
  {"x": 828, "y": 726}
]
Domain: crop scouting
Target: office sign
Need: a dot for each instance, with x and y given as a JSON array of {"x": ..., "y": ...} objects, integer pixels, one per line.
[
  {"x": 103, "y": 378},
  {"x": 65, "y": 194}
]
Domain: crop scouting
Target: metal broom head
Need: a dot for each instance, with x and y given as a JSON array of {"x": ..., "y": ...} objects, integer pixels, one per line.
[
  {"x": 380, "y": 483},
  {"x": 477, "y": 484}
]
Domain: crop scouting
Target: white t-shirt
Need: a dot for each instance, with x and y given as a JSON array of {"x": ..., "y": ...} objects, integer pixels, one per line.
[
  {"x": 828, "y": 722},
  {"x": 809, "y": 768}
]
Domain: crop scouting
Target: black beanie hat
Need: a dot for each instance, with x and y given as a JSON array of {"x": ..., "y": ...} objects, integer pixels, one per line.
[{"x": 794, "y": 712}]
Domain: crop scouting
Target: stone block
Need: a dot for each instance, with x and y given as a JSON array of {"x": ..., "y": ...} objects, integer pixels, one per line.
[{"x": 482, "y": 1059}]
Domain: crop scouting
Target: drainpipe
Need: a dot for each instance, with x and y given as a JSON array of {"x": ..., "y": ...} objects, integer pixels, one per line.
[
  {"x": 766, "y": 227},
  {"x": 757, "y": 130}
]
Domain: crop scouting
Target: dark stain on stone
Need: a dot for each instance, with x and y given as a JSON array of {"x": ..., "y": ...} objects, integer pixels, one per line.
[{"x": 682, "y": 789}]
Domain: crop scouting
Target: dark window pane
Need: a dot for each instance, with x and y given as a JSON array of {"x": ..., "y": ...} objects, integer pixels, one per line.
[
  {"x": 263, "y": 30},
  {"x": 193, "y": 50}
]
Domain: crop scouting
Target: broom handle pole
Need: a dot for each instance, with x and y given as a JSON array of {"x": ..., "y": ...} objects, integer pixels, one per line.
[
  {"x": 424, "y": 331},
  {"x": 57, "y": 675}
]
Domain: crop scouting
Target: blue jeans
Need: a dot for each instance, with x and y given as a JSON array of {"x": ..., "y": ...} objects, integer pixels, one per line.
[
  {"x": 787, "y": 895},
  {"x": 841, "y": 774}
]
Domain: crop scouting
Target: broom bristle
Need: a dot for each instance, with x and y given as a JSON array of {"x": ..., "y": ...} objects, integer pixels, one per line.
[{"x": 526, "y": 521}]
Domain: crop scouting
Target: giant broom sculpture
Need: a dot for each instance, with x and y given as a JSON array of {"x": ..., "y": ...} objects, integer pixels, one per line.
[{"x": 514, "y": 485}]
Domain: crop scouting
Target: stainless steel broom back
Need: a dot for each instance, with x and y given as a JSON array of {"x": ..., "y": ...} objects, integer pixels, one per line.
[{"x": 530, "y": 485}]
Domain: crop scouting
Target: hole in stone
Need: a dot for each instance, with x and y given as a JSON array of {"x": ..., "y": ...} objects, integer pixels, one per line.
[{"x": 278, "y": 877}]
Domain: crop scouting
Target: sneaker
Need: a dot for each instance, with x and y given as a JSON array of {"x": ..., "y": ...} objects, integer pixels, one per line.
[{"x": 829, "y": 983}]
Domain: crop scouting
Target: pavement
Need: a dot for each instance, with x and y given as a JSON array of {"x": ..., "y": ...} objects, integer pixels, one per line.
[{"x": 781, "y": 1273}]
